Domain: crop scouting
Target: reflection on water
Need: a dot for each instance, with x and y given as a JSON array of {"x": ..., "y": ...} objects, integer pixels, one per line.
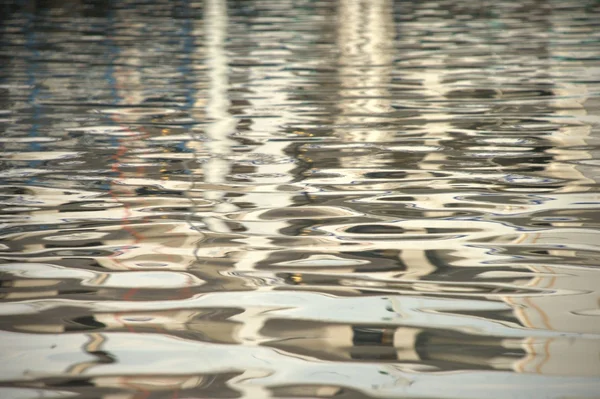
[{"x": 294, "y": 199}]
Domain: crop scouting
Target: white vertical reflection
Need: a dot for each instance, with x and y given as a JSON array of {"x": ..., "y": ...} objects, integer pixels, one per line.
[
  {"x": 217, "y": 169},
  {"x": 221, "y": 123},
  {"x": 365, "y": 39}
]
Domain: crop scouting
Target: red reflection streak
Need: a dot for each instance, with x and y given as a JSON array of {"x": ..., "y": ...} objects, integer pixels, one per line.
[
  {"x": 184, "y": 292},
  {"x": 145, "y": 393},
  {"x": 137, "y": 237}
]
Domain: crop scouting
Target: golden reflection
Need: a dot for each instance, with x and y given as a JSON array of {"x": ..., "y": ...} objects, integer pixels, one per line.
[{"x": 365, "y": 41}]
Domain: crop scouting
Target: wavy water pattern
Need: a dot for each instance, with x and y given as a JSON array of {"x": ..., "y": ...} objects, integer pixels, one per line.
[{"x": 299, "y": 199}]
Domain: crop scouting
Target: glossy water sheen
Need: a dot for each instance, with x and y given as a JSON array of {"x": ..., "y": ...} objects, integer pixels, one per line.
[{"x": 300, "y": 199}]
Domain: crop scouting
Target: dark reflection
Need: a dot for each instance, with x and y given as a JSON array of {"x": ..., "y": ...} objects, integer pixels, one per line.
[
  {"x": 337, "y": 198},
  {"x": 214, "y": 386}
]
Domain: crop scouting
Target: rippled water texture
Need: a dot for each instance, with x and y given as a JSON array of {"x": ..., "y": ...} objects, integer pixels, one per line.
[{"x": 300, "y": 199}]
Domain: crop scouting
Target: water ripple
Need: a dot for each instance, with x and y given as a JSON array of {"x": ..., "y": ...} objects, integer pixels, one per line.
[{"x": 294, "y": 199}]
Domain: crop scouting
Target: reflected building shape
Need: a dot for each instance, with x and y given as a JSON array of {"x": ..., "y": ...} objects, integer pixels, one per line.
[
  {"x": 365, "y": 39},
  {"x": 577, "y": 309}
]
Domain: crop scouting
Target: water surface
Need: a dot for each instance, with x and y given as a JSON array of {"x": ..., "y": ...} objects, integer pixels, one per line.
[{"x": 300, "y": 199}]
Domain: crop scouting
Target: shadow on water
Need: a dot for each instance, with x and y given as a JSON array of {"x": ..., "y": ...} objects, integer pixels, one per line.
[{"x": 294, "y": 199}]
